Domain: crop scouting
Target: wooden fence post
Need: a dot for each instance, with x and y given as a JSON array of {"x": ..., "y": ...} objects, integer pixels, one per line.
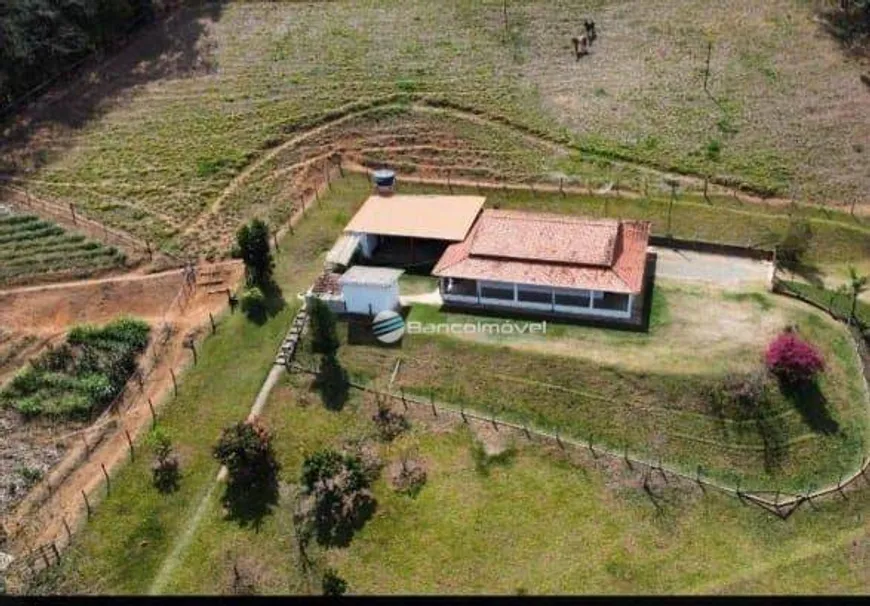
[
  {"x": 462, "y": 413},
  {"x": 211, "y": 319},
  {"x": 130, "y": 442},
  {"x": 66, "y": 527},
  {"x": 840, "y": 487},
  {"x": 174, "y": 382},
  {"x": 698, "y": 479},
  {"x": 562, "y": 186},
  {"x": 56, "y": 552},
  {"x": 108, "y": 481},
  {"x": 87, "y": 448},
  {"x": 275, "y": 241},
  {"x": 625, "y": 457},
  {"x": 559, "y": 441},
  {"x": 404, "y": 401},
  {"x": 591, "y": 448},
  {"x": 72, "y": 210},
  {"x": 87, "y": 503},
  {"x": 526, "y": 430},
  {"x": 494, "y": 424}
]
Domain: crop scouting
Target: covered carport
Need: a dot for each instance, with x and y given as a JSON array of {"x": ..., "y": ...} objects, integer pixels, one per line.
[{"x": 406, "y": 230}]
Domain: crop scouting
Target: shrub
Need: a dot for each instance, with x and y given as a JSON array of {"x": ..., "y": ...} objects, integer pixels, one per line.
[
  {"x": 246, "y": 450},
  {"x": 324, "y": 335},
  {"x": 390, "y": 424},
  {"x": 253, "y": 302},
  {"x": 165, "y": 468},
  {"x": 794, "y": 244},
  {"x": 741, "y": 395},
  {"x": 793, "y": 360},
  {"x": 336, "y": 497},
  {"x": 333, "y": 584}
]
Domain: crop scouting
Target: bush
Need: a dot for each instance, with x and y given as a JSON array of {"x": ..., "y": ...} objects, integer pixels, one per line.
[
  {"x": 253, "y": 302},
  {"x": 333, "y": 584},
  {"x": 246, "y": 450},
  {"x": 390, "y": 424},
  {"x": 793, "y": 245},
  {"x": 324, "y": 335},
  {"x": 336, "y": 498},
  {"x": 165, "y": 468},
  {"x": 793, "y": 360},
  {"x": 741, "y": 395}
]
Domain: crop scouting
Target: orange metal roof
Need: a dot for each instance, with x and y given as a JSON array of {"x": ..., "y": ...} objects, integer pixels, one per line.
[
  {"x": 436, "y": 217},
  {"x": 551, "y": 250}
]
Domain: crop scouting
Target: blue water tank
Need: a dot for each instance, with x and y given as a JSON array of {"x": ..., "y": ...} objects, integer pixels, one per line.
[{"x": 384, "y": 180}]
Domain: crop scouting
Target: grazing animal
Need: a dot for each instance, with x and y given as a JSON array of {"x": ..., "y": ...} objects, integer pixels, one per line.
[
  {"x": 581, "y": 46},
  {"x": 591, "y": 34}
]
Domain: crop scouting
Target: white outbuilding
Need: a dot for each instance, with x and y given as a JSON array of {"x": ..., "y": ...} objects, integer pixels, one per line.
[{"x": 370, "y": 290}]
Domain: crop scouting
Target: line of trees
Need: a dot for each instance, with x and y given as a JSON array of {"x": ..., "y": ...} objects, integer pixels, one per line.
[{"x": 40, "y": 39}]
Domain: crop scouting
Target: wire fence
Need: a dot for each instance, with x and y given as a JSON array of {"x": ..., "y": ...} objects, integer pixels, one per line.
[{"x": 67, "y": 214}]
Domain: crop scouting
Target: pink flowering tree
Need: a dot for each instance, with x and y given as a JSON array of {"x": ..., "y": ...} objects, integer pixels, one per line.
[{"x": 793, "y": 360}]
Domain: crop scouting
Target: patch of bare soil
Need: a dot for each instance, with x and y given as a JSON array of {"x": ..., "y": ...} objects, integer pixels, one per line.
[{"x": 59, "y": 449}]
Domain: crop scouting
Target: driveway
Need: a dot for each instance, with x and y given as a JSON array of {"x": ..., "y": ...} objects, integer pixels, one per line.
[{"x": 716, "y": 269}]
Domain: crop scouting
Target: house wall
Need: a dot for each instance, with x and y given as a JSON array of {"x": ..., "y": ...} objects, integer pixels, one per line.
[
  {"x": 538, "y": 298},
  {"x": 358, "y": 298}
]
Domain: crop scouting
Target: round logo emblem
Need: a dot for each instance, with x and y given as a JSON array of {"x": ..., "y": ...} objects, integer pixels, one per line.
[{"x": 388, "y": 326}]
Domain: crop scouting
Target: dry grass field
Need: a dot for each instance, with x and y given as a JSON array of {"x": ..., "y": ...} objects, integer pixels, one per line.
[{"x": 150, "y": 140}]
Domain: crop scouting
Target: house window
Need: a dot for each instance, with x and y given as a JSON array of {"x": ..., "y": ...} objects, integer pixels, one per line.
[
  {"x": 497, "y": 291},
  {"x": 573, "y": 298},
  {"x": 535, "y": 296},
  {"x": 613, "y": 301}
]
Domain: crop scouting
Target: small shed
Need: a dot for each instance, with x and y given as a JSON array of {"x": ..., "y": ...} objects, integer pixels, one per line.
[{"x": 370, "y": 290}]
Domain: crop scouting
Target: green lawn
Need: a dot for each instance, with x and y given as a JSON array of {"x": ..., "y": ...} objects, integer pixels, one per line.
[
  {"x": 122, "y": 547},
  {"x": 536, "y": 523},
  {"x": 656, "y": 401}
]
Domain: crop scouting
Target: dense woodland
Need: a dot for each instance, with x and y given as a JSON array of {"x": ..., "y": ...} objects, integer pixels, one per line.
[{"x": 40, "y": 39}]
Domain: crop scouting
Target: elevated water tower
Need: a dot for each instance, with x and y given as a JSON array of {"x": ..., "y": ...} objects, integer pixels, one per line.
[{"x": 385, "y": 181}]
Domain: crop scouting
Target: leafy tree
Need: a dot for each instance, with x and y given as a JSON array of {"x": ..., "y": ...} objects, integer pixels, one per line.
[
  {"x": 165, "y": 467},
  {"x": 253, "y": 244},
  {"x": 857, "y": 284},
  {"x": 793, "y": 360},
  {"x": 41, "y": 38},
  {"x": 246, "y": 450},
  {"x": 253, "y": 302},
  {"x": 324, "y": 335},
  {"x": 335, "y": 496},
  {"x": 333, "y": 584},
  {"x": 793, "y": 245}
]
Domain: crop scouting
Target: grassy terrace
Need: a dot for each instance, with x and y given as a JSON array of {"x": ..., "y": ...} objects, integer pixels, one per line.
[{"x": 234, "y": 81}]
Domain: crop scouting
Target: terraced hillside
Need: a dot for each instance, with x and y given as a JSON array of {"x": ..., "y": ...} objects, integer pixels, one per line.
[
  {"x": 155, "y": 139},
  {"x": 33, "y": 247}
]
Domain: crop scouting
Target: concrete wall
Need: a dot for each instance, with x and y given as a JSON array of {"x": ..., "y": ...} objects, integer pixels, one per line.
[{"x": 358, "y": 298}]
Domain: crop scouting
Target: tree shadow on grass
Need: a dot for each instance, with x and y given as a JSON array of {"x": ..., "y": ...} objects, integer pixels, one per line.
[
  {"x": 249, "y": 504},
  {"x": 812, "y": 405},
  {"x": 332, "y": 383}
]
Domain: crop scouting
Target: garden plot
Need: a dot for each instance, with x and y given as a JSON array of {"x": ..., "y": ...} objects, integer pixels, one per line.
[{"x": 31, "y": 247}]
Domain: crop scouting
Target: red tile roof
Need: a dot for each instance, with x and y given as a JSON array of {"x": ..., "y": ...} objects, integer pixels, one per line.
[{"x": 551, "y": 250}]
